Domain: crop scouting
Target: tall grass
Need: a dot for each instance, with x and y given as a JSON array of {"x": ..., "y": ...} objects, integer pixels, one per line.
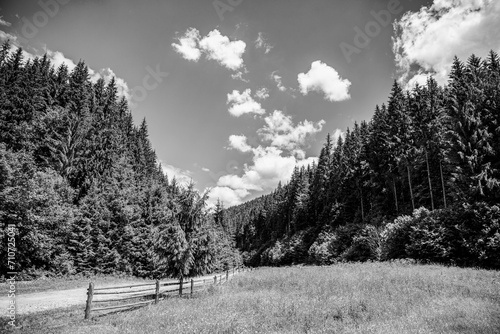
[{"x": 345, "y": 298}]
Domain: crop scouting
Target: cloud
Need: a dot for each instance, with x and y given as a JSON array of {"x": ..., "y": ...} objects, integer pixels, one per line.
[
  {"x": 261, "y": 43},
  {"x": 205, "y": 169},
  {"x": 221, "y": 49},
  {"x": 58, "y": 58},
  {"x": 262, "y": 93},
  {"x": 239, "y": 143},
  {"x": 336, "y": 135},
  {"x": 279, "y": 83},
  {"x": 4, "y": 23},
  {"x": 279, "y": 131},
  {"x": 188, "y": 45},
  {"x": 239, "y": 76},
  {"x": 273, "y": 161},
  {"x": 182, "y": 177},
  {"x": 215, "y": 46},
  {"x": 426, "y": 41},
  {"x": 227, "y": 196},
  {"x": 323, "y": 78},
  {"x": 270, "y": 166},
  {"x": 243, "y": 103},
  {"x": 107, "y": 74}
]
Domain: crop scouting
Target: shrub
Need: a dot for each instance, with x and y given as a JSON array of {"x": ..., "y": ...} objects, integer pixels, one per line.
[
  {"x": 288, "y": 250},
  {"x": 365, "y": 245},
  {"x": 395, "y": 237},
  {"x": 344, "y": 238},
  {"x": 320, "y": 251}
]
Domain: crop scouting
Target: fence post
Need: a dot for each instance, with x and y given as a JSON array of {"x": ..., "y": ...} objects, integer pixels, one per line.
[
  {"x": 215, "y": 280},
  {"x": 227, "y": 275},
  {"x": 180, "y": 286},
  {"x": 90, "y": 295},
  {"x": 157, "y": 292},
  {"x": 192, "y": 285}
]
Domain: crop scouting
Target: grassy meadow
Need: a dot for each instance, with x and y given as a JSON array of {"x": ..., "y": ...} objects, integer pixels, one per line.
[{"x": 344, "y": 298}]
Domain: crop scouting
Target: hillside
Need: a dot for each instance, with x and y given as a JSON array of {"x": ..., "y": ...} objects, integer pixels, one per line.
[
  {"x": 420, "y": 180},
  {"x": 81, "y": 188}
]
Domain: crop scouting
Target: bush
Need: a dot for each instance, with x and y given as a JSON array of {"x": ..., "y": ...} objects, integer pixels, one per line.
[
  {"x": 396, "y": 236},
  {"x": 465, "y": 235},
  {"x": 288, "y": 250},
  {"x": 320, "y": 251},
  {"x": 365, "y": 246},
  {"x": 344, "y": 238}
]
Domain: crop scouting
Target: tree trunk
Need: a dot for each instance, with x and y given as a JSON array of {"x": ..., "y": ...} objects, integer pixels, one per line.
[
  {"x": 442, "y": 182},
  {"x": 411, "y": 190},
  {"x": 395, "y": 195},
  {"x": 429, "y": 178},
  {"x": 362, "y": 207}
]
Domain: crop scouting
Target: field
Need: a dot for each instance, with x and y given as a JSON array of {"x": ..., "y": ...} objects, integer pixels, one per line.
[{"x": 345, "y": 298}]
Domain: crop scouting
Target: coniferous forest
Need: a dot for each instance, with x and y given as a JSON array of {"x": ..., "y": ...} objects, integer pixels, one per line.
[
  {"x": 420, "y": 181},
  {"x": 83, "y": 187}
]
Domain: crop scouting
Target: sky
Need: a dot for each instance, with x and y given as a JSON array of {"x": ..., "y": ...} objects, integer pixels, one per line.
[{"x": 236, "y": 93}]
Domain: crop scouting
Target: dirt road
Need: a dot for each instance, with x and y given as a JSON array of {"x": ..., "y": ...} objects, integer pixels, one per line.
[
  {"x": 41, "y": 301},
  {"x": 47, "y": 300}
]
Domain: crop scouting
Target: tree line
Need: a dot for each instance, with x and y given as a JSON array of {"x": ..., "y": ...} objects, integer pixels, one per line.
[
  {"x": 83, "y": 185},
  {"x": 420, "y": 180}
]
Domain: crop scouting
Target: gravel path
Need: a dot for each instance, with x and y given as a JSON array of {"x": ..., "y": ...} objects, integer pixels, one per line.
[
  {"x": 47, "y": 300},
  {"x": 41, "y": 301}
]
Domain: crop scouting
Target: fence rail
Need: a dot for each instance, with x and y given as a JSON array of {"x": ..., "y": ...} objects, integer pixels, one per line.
[{"x": 109, "y": 298}]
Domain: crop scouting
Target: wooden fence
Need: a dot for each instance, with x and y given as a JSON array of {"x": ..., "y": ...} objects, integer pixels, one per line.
[{"x": 139, "y": 295}]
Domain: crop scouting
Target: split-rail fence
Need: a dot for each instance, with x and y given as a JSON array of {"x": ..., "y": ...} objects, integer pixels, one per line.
[{"x": 112, "y": 298}]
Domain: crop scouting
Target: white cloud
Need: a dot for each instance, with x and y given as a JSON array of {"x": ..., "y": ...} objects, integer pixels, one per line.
[
  {"x": 107, "y": 74},
  {"x": 261, "y": 43},
  {"x": 227, "y": 196},
  {"x": 182, "y": 177},
  {"x": 4, "y": 23},
  {"x": 271, "y": 164},
  {"x": 59, "y": 59},
  {"x": 243, "y": 103},
  {"x": 239, "y": 143},
  {"x": 323, "y": 78},
  {"x": 336, "y": 135},
  {"x": 235, "y": 182},
  {"x": 239, "y": 76},
  {"x": 221, "y": 49},
  {"x": 188, "y": 45},
  {"x": 280, "y": 131},
  {"x": 279, "y": 82},
  {"x": 426, "y": 41},
  {"x": 262, "y": 93},
  {"x": 5, "y": 36},
  {"x": 205, "y": 169}
]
